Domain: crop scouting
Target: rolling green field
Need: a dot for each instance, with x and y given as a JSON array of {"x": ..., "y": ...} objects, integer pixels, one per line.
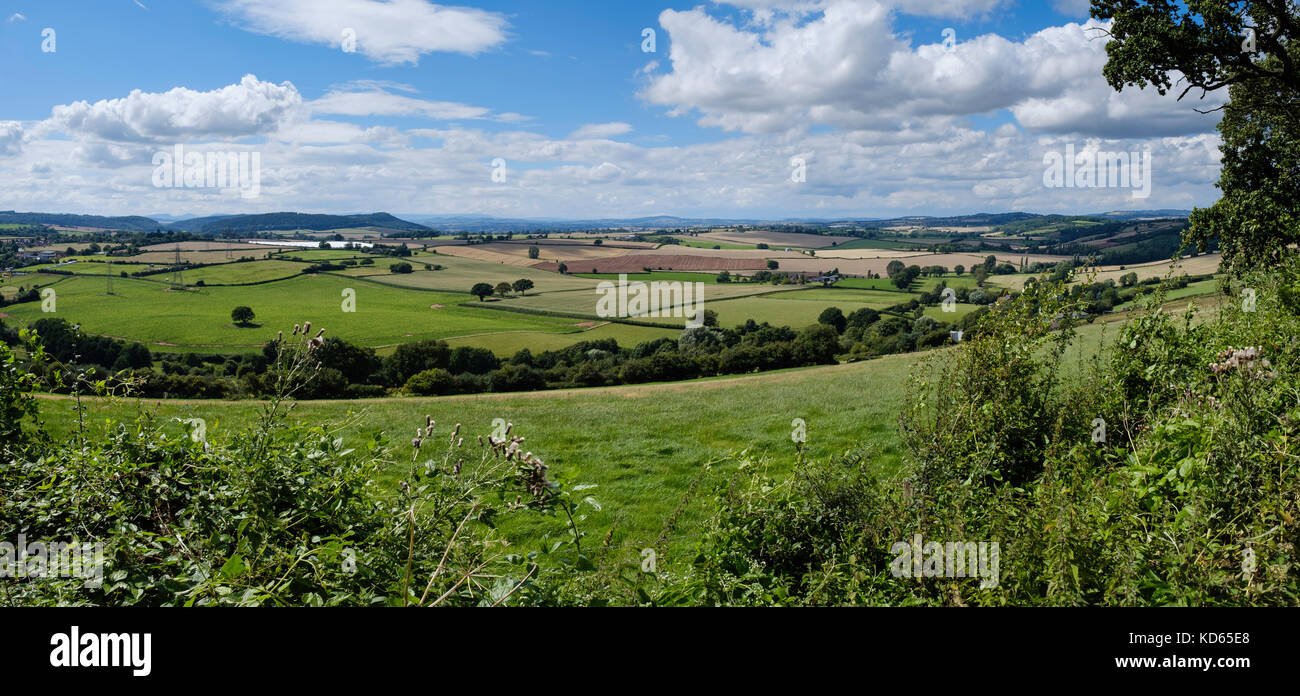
[
  {"x": 1197, "y": 289},
  {"x": 460, "y": 274},
  {"x": 708, "y": 244},
  {"x": 151, "y": 313},
  {"x": 324, "y": 255},
  {"x": 246, "y": 272},
  {"x": 507, "y": 343},
  {"x": 800, "y": 308},
  {"x": 95, "y": 266},
  {"x": 643, "y": 446},
  {"x": 876, "y": 244}
]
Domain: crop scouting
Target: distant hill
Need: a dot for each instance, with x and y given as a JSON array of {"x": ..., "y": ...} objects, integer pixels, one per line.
[
  {"x": 486, "y": 223},
  {"x": 133, "y": 223},
  {"x": 1142, "y": 214},
  {"x": 279, "y": 222},
  {"x": 247, "y": 225}
]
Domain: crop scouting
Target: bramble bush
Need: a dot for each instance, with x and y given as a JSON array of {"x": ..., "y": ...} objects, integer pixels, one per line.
[
  {"x": 1190, "y": 496},
  {"x": 280, "y": 514}
]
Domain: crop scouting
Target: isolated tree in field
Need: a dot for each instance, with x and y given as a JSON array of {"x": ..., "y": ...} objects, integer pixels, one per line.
[
  {"x": 894, "y": 267},
  {"x": 959, "y": 269},
  {"x": 724, "y": 277},
  {"x": 981, "y": 274},
  {"x": 481, "y": 291},
  {"x": 710, "y": 318},
  {"x": 523, "y": 285},
  {"x": 564, "y": 268},
  {"x": 503, "y": 289},
  {"x": 1251, "y": 49},
  {"x": 534, "y": 251},
  {"x": 242, "y": 315},
  {"x": 598, "y": 242},
  {"x": 773, "y": 264}
]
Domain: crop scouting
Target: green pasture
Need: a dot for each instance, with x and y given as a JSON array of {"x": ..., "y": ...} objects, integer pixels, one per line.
[{"x": 200, "y": 317}]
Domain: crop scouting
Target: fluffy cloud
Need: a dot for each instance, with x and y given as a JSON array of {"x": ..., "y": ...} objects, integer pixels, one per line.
[
  {"x": 380, "y": 103},
  {"x": 249, "y": 108},
  {"x": 845, "y": 67},
  {"x": 601, "y": 131},
  {"x": 880, "y": 121},
  {"x": 765, "y": 10},
  {"x": 335, "y": 167},
  {"x": 11, "y": 137},
  {"x": 390, "y": 32}
]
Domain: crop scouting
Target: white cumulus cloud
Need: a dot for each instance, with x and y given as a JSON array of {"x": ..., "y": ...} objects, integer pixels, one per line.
[
  {"x": 600, "y": 131},
  {"x": 249, "y": 108},
  {"x": 387, "y": 31}
]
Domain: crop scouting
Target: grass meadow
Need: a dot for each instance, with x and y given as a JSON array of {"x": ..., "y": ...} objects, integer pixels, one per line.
[
  {"x": 200, "y": 317},
  {"x": 643, "y": 446}
]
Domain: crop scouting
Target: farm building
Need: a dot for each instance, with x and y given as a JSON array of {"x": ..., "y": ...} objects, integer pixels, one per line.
[{"x": 41, "y": 256}]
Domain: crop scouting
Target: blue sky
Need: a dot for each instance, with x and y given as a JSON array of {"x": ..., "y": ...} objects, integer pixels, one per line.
[{"x": 660, "y": 125}]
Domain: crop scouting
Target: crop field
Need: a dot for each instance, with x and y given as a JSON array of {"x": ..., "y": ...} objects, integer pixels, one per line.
[
  {"x": 1200, "y": 265},
  {"x": 863, "y": 266},
  {"x": 634, "y": 263},
  {"x": 772, "y": 238},
  {"x": 684, "y": 276}
]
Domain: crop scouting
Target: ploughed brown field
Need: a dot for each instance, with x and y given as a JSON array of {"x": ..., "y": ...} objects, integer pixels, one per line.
[{"x": 635, "y": 263}]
